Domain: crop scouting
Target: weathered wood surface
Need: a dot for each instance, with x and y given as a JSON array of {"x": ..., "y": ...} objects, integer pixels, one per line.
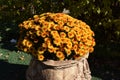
[{"x": 59, "y": 70}]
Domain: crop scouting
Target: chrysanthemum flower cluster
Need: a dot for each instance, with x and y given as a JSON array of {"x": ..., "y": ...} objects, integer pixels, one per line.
[{"x": 56, "y": 36}]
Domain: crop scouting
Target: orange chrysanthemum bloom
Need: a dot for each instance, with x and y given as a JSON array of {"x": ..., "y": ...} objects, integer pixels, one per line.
[
  {"x": 60, "y": 55},
  {"x": 62, "y": 34},
  {"x": 57, "y": 33},
  {"x": 40, "y": 57},
  {"x": 66, "y": 28},
  {"x": 38, "y": 33},
  {"x": 57, "y": 41},
  {"x": 70, "y": 34}
]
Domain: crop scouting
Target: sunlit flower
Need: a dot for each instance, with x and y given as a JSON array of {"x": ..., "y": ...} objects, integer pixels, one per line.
[
  {"x": 38, "y": 33},
  {"x": 74, "y": 41},
  {"x": 56, "y": 27},
  {"x": 40, "y": 57},
  {"x": 28, "y": 44},
  {"x": 68, "y": 51},
  {"x": 25, "y": 49},
  {"x": 24, "y": 42},
  {"x": 91, "y": 49},
  {"x": 70, "y": 34},
  {"x": 54, "y": 32},
  {"x": 60, "y": 55},
  {"x": 50, "y": 26},
  {"x": 44, "y": 28},
  {"x": 40, "y": 50},
  {"x": 62, "y": 34},
  {"x": 47, "y": 40},
  {"x": 93, "y": 43},
  {"x": 44, "y": 45},
  {"x": 57, "y": 41},
  {"x": 43, "y": 34},
  {"x": 61, "y": 23},
  {"x": 37, "y": 27},
  {"x": 35, "y": 16},
  {"x": 57, "y": 33},
  {"x": 69, "y": 45},
  {"x": 52, "y": 49},
  {"x": 62, "y": 58},
  {"x": 75, "y": 47},
  {"x": 81, "y": 45},
  {"x": 66, "y": 28}
]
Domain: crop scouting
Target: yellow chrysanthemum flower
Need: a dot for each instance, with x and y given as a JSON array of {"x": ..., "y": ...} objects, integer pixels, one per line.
[
  {"x": 70, "y": 34},
  {"x": 38, "y": 33},
  {"x": 25, "y": 49},
  {"x": 52, "y": 49},
  {"x": 37, "y": 27},
  {"x": 62, "y": 58},
  {"x": 57, "y": 41},
  {"x": 91, "y": 49},
  {"x": 24, "y": 42},
  {"x": 35, "y": 16},
  {"x": 45, "y": 23},
  {"x": 40, "y": 57},
  {"x": 56, "y": 27},
  {"x": 56, "y": 33},
  {"x": 28, "y": 44},
  {"x": 66, "y": 28},
  {"x": 44, "y": 45},
  {"x": 50, "y": 26},
  {"x": 43, "y": 34},
  {"x": 93, "y": 43},
  {"x": 75, "y": 47},
  {"x": 44, "y": 28},
  {"x": 60, "y": 55},
  {"x": 68, "y": 51},
  {"x": 78, "y": 37},
  {"x": 69, "y": 45},
  {"x": 40, "y": 50},
  {"x": 47, "y": 40},
  {"x": 61, "y": 23},
  {"x": 62, "y": 34},
  {"x": 74, "y": 41}
]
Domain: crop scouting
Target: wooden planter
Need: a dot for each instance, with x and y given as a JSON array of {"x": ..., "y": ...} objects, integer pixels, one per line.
[{"x": 59, "y": 70}]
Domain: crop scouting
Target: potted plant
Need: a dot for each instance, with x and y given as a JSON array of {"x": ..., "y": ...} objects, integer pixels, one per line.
[{"x": 59, "y": 45}]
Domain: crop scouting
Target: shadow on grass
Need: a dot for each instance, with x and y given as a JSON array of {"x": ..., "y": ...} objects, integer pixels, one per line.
[{"x": 12, "y": 71}]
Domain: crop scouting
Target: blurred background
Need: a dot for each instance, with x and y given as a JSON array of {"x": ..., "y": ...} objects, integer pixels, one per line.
[{"x": 103, "y": 16}]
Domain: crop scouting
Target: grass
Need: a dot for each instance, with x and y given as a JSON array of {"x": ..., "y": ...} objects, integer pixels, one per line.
[{"x": 13, "y": 65}]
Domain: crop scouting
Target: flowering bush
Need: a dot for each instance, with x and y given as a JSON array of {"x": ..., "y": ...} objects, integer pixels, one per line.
[{"x": 56, "y": 36}]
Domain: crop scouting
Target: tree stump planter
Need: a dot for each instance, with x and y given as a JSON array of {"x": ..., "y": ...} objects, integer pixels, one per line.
[{"x": 59, "y": 70}]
